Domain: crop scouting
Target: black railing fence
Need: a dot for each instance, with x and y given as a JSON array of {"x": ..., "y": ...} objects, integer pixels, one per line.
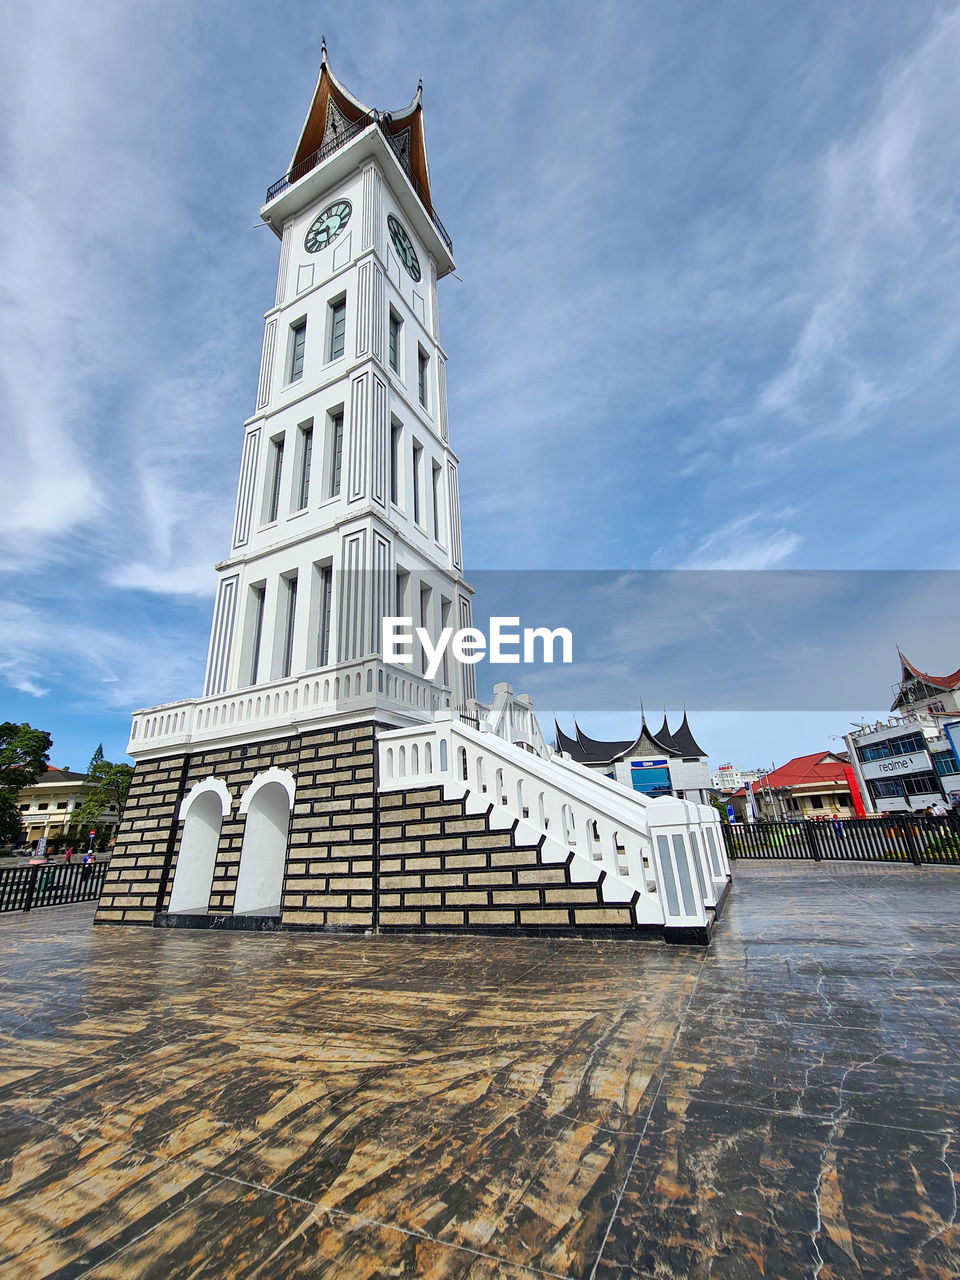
[
  {"x": 889, "y": 837},
  {"x": 52, "y": 885},
  {"x": 341, "y": 139}
]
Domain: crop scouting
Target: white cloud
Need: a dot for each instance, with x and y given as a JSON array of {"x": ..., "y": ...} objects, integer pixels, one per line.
[{"x": 742, "y": 544}]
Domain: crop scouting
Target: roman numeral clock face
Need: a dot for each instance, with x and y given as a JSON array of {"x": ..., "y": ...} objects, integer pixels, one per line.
[
  {"x": 327, "y": 225},
  {"x": 405, "y": 250}
]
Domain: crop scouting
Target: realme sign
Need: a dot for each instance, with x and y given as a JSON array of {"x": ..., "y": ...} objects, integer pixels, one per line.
[{"x": 916, "y": 762}]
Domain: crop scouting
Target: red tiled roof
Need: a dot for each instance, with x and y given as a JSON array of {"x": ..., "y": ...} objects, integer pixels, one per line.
[
  {"x": 940, "y": 682},
  {"x": 820, "y": 767}
]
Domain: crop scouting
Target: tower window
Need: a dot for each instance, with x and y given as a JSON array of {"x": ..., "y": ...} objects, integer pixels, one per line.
[
  {"x": 422, "y": 361},
  {"x": 336, "y": 454},
  {"x": 425, "y": 594},
  {"x": 436, "y": 501},
  {"x": 290, "y": 615},
  {"x": 417, "y": 482},
  {"x": 299, "y": 335},
  {"x": 338, "y": 327},
  {"x": 274, "y": 475},
  {"x": 258, "y": 595},
  {"x": 396, "y": 441},
  {"x": 325, "y": 609},
  {"x": 306, "y": 460},
  {"x": 395, "y": 326}
]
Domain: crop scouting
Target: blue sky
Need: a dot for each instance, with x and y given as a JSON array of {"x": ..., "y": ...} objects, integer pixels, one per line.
[{"x": 708, "y": 316}]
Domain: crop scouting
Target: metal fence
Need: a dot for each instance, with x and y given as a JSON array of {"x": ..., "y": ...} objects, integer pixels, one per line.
[
  {"x": 888, "y": 837},
  {"x": 53, "y": 885}
]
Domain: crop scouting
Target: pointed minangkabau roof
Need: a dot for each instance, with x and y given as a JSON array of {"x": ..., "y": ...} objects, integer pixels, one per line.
[
  {"x": 565, "y": 745},
  {"x": 909, "y": 672},
  {"x": 333, "y": 105},
  {"x": 665, "y": 737},
  {"x": 596, "y": 752},
  {"x": 684, "y": 742}
]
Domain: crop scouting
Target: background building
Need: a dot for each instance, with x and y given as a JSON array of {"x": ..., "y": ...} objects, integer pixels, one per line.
[
  {"x": 813, "y": 786},
  {"x": 908, "y": 762},
  {"x": 728, "y": 777},
  {"x": 660, "y": 764},
  {"x": 47, "y": 807}
]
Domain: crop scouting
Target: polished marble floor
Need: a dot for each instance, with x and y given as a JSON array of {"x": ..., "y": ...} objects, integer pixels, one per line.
[{"x": 784, "y": 1104}]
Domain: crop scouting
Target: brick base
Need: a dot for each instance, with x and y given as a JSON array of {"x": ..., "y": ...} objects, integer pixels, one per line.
[{"x": 405, "y": 861}]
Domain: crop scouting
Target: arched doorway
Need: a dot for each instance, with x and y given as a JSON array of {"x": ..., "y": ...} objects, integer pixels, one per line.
[
  {"x": 266, "y": 803},
  {"x": 202, "y": 813}
]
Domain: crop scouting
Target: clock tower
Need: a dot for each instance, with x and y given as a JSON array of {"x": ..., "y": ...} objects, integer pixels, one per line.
[
  {"x": 319, "y": 783},
  {"x": 347, "y": 505}
]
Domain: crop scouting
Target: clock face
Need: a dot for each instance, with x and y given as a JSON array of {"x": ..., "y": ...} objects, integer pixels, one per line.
[
  {"x": 327, "y": 225},
  {"x": 404, "y": 247}
]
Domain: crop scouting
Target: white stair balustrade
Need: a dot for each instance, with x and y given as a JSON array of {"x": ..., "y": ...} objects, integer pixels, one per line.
[{"x": 569, "y": 809}]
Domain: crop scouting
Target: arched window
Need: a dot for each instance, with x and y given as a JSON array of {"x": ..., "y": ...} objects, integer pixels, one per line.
[
  {"x": 569, "y": 826},
  {"x": 462, "y": 760}
]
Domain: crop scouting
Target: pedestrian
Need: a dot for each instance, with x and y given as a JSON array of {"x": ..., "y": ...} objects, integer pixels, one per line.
[
  {"x": 86, "y": 869},
  {"x": 837, "y": 824},
  {"x": 68, "y": 853},
  {"x": 937, "y": 810}
]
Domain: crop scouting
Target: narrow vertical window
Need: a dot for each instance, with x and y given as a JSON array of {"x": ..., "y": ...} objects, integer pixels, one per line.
[
  {"x": 396, "y": 440},
  {"x": 402, "y": 587},
  {"x": 338, "y": 327},
  {"x": 417, "y": 480},
  {"x": 336, "y": 454},
  {"x": 286, "y": 664},
  {"x": 436, "y": 501},
  {"x": 395, "y": 323},
  {"x": 273, "y": 480},
  {"x": 326, "y": 603},
  {"x": 306, "y": 461},
  {"x": 422, "y": 362},
  {"x": 296, "y": 350},
  {"x": 258, "y": 599},
  {"x": 445, "y": 608},
  {"x": 424, "y": 623}
]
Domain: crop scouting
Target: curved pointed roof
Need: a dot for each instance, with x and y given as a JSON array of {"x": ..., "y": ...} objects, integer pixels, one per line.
[
  {"x": 684, "y": 742},
  {"x": 597, "y": 752},
  {"x": 565, "y": 745},
  {"x": 665, "y": 737},
  {"x": 909, "y": 672},
  {"x": 334, "y": 106}
]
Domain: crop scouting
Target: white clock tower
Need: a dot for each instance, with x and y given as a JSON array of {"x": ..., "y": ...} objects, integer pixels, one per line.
[
  {"x": 347, "y": 506},
  {"x": 319, "y": 783}
]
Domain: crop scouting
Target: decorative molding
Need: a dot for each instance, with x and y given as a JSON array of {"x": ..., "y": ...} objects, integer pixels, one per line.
[
  {"x": 434, "y": 303},
  {"x": 342, "y": 253},
  {"x": 382, "y": 580},
  {"x": 216, "y": 786},
  {"x": 246, "y": 487},
  {"x": 266, "y": 363},
  {"x": 221, "y": 637},
  {"x": 351, "y": 610},
  {"x": 380, "y": 443},
  {"x": 468, "y": 673},
  {"x": 442, "y": 384},
  {"x": 282, "y": 776},
  {"x": 373, "y": 209},
  {"x": 285, "y": 243},
  {"x": 357, "y": 443},
  {"x": 453, "y": 499},
  {"x": 305, "y": 277}
]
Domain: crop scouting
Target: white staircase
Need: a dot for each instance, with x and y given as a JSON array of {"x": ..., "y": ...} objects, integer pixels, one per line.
[{"x": 665, "y": 856}]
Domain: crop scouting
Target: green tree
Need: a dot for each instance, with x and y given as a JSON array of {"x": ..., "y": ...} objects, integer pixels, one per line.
[
  {"x": 720, "y": 807},
  {"x": 24, "y": 753},
  {"x": 112, "y": 786},
  {"x": 95, "y": 758}
]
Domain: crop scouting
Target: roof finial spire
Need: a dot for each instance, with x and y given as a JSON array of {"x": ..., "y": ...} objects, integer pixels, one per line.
[
  {"x": 420, "y": 89},
  {"x": 323, "y": 49}
]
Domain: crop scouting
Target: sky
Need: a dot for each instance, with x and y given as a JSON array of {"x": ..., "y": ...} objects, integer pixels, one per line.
[{"x": 706, "y": 319}]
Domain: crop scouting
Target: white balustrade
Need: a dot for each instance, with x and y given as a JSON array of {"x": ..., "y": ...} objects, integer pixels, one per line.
[
  {"x": 350, "y": 687},
  {"x": 603, "y": 825}
]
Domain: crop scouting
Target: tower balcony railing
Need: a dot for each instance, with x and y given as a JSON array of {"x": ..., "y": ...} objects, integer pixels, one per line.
[
  {"x": 339, "y": 140},
  {"x": 357, "y": 688}
]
